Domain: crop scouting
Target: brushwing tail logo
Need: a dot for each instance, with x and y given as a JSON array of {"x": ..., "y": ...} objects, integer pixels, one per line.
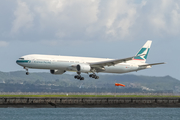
[
  {"x": 143, "y": 53},
  {"x": 140, "y": 55}
]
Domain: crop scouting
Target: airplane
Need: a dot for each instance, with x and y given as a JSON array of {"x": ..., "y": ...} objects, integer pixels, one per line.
[{"x": 60, "y": 64}]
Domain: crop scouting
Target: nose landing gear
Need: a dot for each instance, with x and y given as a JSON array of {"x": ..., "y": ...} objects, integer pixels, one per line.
[{"x": 27, "y": 73}]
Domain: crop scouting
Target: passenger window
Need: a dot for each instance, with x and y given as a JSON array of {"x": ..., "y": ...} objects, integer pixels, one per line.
[{"x": 21, "y": 58}]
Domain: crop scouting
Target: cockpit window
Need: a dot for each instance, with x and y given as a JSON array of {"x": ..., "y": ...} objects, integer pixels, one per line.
[{"x": 21, "y": 58}]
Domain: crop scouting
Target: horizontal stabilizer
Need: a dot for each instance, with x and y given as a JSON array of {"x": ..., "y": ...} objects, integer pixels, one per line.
[{"x": 151, "y": 64}]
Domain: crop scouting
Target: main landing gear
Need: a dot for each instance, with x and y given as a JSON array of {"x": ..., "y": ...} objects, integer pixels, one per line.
[
  {"x": 78, "y": 76},
  {"x": 94, "y": 76},
  {"x": 82, "y": 78}
]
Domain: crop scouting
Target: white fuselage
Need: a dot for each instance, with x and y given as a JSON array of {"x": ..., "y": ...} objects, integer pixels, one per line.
[{"x": 67, "y": 63}]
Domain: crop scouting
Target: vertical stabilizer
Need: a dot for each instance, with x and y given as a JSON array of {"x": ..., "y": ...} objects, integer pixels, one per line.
[{"x": 144, "y": 52}]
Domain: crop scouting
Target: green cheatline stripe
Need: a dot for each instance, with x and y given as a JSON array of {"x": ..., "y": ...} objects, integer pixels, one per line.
[{"x": 22, "y": 61}]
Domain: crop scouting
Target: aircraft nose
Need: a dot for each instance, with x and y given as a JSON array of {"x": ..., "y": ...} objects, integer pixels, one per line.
[{"x": 17, "y": 62}]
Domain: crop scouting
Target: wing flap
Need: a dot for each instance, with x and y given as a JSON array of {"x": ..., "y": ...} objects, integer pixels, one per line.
[
  {"x": 110, "y": 62},
  {"x": 151, "y": 64}
]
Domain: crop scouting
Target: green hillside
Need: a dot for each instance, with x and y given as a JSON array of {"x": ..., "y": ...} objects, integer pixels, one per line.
[{"x": 144, "y": 83}]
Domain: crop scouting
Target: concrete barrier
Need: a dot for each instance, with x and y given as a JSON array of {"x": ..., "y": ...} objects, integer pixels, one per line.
[{"x": 90, "y": 102}]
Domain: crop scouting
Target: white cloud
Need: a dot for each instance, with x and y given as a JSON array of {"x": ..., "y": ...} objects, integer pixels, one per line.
[
  {"x": 163, "y": 17},
  {"x": 118, "y": 17},
  {"x": 67, "y": 18},
  {"x": 92, "y": 20},
  {"x": 23, "y": 17},
  {"x": 4, "y": 44}
]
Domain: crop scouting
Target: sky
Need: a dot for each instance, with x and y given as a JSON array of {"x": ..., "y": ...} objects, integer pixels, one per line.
[{"x": 91, "y": 28}]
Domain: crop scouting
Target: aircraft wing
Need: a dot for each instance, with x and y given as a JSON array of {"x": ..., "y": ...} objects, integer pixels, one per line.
[
  {"x": 110, "y": 62},
  {"x": 151, "y": 64}
]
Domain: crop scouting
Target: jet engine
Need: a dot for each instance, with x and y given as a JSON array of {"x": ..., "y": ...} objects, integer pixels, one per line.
[
  {"x": 57, "y": 72},
  {"x": 85, "y": 68}
]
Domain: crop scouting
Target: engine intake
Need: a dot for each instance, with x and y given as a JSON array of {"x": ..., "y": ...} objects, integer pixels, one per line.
[
  {"x": 57, "y": 72},
  {"x": 83, "y": 68}
]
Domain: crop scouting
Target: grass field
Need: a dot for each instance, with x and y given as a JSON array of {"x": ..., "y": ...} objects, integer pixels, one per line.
[{"x": 86, "y": 96}]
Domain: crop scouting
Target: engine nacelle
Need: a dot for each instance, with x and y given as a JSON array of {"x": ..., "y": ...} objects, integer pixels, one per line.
[
  {"x": 83, "y": 68},
  {"x": 57, "y": 72}
]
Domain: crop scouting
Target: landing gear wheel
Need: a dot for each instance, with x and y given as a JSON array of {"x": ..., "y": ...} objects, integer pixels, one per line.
[
  {"x": 27, "y": 73},
  {"x": 93, "y": 76},
  {"x": 78, "y": 77}
]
